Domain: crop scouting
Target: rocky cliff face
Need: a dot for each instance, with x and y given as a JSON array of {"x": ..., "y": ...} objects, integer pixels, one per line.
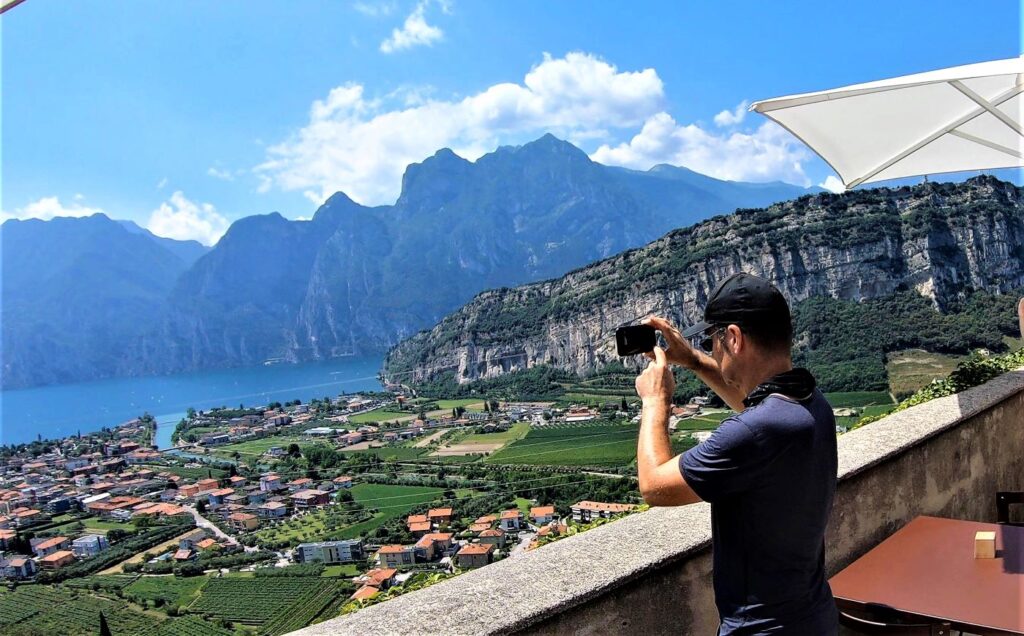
[{"x": 943, "y": 240}]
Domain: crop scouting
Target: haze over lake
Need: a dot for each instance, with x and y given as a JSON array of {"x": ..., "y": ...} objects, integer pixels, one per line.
[{"x": 62, "y": 410}]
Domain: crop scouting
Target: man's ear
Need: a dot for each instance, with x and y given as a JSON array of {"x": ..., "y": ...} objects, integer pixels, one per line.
[{"x": 737, "y": 340}]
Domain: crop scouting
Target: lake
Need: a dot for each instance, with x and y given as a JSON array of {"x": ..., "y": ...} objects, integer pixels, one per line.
[{"x": 63, "y": 410}]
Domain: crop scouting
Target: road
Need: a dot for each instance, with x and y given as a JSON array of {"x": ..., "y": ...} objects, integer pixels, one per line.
[
  {"x": 524, "y": 540},
  {"x": 205, "y": 523},
  {"x": 426, "y": 440}
]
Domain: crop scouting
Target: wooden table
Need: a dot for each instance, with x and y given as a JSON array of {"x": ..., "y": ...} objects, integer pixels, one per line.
[{"x": 927, "y": 569}]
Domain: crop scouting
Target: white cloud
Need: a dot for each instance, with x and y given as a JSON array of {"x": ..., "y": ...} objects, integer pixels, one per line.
[
  {"x": 160, "y": 184},
  {"x": 732, "y": 117},
  {"x": 769, "y": 153},
  {"x": 47, "y": 208},
  {"x": 833, "y": 184},
  {"x": 355, "y": 144},
  {"x": 374, "y": 9},
  {"x": 182, "y": 219},
  {"x": 414, "y": 32},
  {"x": 217, "y": 173}
]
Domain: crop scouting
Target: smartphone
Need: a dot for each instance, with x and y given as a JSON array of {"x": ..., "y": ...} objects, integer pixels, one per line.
[{"x": 630, "y": 341}]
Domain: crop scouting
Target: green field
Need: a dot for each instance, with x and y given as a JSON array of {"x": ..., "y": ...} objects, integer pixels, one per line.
[
  {"x": 173, "y": 590},
  {"x": 188, "y": 473},
  {"x": 597, "y": 399},
  {"x": 878, "y": 409},
  {"x": 392, "y": 453},
  {"x": 702, "y": 422},
  {"x": 517, "y": 431},
  {"x": 608, "y": 445},
  {"x": 380, "y": 415},
  {"x": 913, "y": 369},
  {"x": 34, "y": 610},
  {"x": 256, "y": 447},
  {"x": 277, "y": 604},
  {"x": 465, "y": 402},
  {"x": 858, "y": 399},
  {"x": 346, "y": 570}
]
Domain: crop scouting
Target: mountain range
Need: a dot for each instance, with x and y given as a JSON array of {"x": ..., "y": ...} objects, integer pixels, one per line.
[
  {"x": 92, "y": 298},
  {"x": 955, "y": 245}
]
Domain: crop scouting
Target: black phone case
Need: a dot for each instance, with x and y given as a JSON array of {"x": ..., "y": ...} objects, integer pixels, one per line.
[{"x": 630, "y": 341}]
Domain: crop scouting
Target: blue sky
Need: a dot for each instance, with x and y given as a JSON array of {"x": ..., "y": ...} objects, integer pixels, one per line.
[{"x": 185, "y": 116}]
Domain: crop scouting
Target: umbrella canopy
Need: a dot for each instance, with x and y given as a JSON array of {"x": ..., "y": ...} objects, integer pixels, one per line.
[{"x": 951, "y": 120}]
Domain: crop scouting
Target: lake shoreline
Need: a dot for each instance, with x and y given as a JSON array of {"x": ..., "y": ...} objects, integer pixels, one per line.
[{"x": 60, "y": 411}]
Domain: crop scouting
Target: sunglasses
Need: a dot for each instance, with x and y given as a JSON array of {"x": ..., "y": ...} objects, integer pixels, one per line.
[{"x": 707, "y": 342}]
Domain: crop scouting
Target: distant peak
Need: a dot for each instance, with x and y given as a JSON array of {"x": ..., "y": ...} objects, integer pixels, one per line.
[
  {"x": 667, "y": 167},
  {"x": 550, "y": 142},
  {"x": 446, "y": 153},
  {"x": 338, "y": 198}
]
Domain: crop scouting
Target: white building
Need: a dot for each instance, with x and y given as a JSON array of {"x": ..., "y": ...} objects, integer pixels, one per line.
[
  {"x": 330, "y": 551},
  {"x": 89, "y": 545}
]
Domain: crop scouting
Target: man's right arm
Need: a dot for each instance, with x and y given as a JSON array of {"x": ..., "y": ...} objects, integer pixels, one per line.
[{"x": 704, "y": 366}]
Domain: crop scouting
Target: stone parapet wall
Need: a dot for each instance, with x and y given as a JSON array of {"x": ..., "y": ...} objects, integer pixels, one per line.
[{"x": 650, "y": 573}]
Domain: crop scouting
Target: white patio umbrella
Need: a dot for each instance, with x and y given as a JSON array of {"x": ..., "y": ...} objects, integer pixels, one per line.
[{"x": 951, "y": 120}]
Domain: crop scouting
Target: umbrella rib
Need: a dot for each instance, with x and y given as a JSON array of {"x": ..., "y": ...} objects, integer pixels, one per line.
[
  {"x": 981, "y": 101},
  {"x": 1013, "y": 92},
  {"x": 985, "y": 142}
]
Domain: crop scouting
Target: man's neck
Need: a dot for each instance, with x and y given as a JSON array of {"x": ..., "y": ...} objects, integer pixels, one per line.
[{"x": 763, "y": 370}]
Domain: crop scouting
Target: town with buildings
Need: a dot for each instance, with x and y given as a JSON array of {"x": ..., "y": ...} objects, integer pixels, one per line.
[{"x": 333, "y": 489}]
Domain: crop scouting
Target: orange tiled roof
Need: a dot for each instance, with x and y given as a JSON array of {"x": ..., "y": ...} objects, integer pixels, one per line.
[
  {"x": 419, "y": 527},
  {"x": 49, "y": 543},
  {"x": 377, "y": 576},
  {"x": 541, "y": 511},
  {"x": 393, "y": 549},
  {"x": 439, "y": 512},
  {"x": 511, "y": 514},
  {"x": 365, "y": 592},
  {"x": 476, "y": 548},
  {"x": 601, "y": 506},
  {"x": 417, "y": 519},
  {"x": 57, "y": 556}
]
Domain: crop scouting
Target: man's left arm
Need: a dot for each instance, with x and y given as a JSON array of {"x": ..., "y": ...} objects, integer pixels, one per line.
[{"x": 661, "y": 480}]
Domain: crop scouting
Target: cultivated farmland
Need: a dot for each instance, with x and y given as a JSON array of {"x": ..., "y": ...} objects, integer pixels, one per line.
[
  {"x": 609, "y": 445},
  {"x": 269, "y": 601}
]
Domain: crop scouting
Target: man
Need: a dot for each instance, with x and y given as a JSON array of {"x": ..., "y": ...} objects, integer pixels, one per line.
[{"x": 768, "y": 471}]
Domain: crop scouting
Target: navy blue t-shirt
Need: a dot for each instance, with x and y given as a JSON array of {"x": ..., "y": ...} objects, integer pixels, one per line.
[{"x": 770, "y": 476}]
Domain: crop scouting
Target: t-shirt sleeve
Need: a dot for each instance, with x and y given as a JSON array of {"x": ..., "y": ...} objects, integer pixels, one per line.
[{"x": 724, "y": 464}]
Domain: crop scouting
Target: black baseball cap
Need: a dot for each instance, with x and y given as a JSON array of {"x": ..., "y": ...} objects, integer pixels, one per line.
[{"x": 743, "y": 299}]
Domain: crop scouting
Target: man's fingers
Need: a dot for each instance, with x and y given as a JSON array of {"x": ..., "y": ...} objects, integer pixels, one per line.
[
  {"x": 655, "y": 321},
  {"x": 659, "y": 355}
]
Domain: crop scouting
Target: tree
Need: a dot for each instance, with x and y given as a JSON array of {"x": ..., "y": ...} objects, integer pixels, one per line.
[
  {"x": 201, "y": 506},
  {"x": 104, "y": 629},
  {"x": 293, "y": 450},
  {"x": 625, "y": 407}
]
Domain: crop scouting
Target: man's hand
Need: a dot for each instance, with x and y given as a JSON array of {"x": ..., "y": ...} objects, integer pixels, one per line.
[
  {"x": 656, "y": 384},
  {"x": 679, "y": 350},
  {"x": 1020, "y": 316}
]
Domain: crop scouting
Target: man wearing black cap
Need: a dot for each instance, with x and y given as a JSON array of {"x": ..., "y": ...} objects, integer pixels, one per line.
[{"x": 769, "y": 471}]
